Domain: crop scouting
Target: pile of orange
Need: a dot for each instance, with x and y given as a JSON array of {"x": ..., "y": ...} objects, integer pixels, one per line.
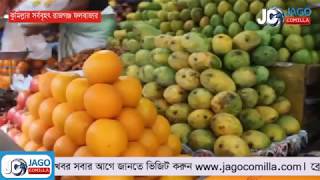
[{"x": 100, "y": 114}]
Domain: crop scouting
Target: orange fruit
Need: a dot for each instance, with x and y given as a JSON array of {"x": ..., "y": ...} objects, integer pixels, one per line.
[
  {"x": 45, "y": 110},
  {"x": 45, "y": 84},
  {"x": 60, "y": 114},
  {"x": 146, "y": 178},
  {"x": 135, "y": 149},
  {"x": 50, "y": 137},
  {"x": 42, "y": 149},
  {"x": 26, "y": 124},
  {"x": 102, "y": 67},
  {"x": 75, "y": 92},
  {"x": 22, "y": 140},
  {"x": 69, "y": 178},
  {"x": 150, "y": 141},
  {"x": 31, "y": 146},
  {"x": 164, "y": 151},
  {"x": 177, "y": 178},
  {"x": 111, "y": 178},
  {"x": 175, "y": 144},
  {"x": 130, "y": 89},
  {"x": 83, "y": 177},
  {"x": 102, "y": 101},
  {"x": 59, "y": 85},
  {"x": 76, "y": 126},
  {"x": 37, "y": 130},
  {"x": 33, "y": 103},
  {"x": 148, "y": 111},
  {"x": 107, "y": 138},
  {"x": 133, "y": 123},
  {"x": 83, "y": 151},
  {"x": 64, "y": 147},
  {"x": 161, "y": 129}
]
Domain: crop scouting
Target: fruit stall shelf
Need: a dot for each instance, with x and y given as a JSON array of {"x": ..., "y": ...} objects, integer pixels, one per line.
[{"x": 291, "y": 146}]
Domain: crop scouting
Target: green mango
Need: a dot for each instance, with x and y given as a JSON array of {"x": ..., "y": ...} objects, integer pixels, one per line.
[
  {"x": 234, "y": 29},
  {"x": 201, "y": 139},
  {"x": 251, "y": 119},
  {"x": 302, "y": 56},
  {"x": 215, "y": 20},
  {"x": 210, "y": 9},
  {"x": 277, "y": 41},
  {"x": 152, "y": 90},
  {"x": 290, "y": 124},
  {"x": 249, "y": 97},
  {"x": 256, "y": 6},
  {"x": 178, "y": 113},
  {"x": 229, "y": 17},
  {"x": 251, "y": 26},
  {"x": 200, "y": 98},
  {"x": 256, "y": 139},
  {"x": 265, "y": 56},
  {"x": 235, "y": 59},
  {"x": 274, "y": 132},
  {"x": 240, "y": 6},
  {"x": 182, "y": 130},
  {"x": 244, "y": 18},
  {"x": 245, "y": 77},
  {"x": 284, "y": 54},
  {"x": 294, "y": 42}
]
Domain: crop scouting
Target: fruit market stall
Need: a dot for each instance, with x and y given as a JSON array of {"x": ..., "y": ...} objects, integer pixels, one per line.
[{"x": 190, "y": 77}]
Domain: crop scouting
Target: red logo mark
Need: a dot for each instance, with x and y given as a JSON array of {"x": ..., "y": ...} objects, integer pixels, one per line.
[{"x": 39, "y": 170}]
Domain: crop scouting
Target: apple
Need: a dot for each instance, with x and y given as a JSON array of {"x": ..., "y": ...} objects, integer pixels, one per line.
[
  {"x": 19, "y": 117},
  {"x": 21, "y": 100},
  {"x": 34, "y": 85},
  {"x": 3, "y": 120},
  {"x": 11, "y": 114}
]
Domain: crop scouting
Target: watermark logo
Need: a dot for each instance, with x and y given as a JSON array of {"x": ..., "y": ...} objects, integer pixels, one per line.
[
  {"x": 27, "y": 165},
  {"x": 18, "y": 167},
  {"x": 276, "y": 16}
]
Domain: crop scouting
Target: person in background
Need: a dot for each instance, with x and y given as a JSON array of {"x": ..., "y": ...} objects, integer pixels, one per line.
[{"x": 74, "y": 38}]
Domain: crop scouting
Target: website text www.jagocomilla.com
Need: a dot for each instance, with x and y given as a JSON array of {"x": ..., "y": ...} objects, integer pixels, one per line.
[{"x": 233, "y": 168}]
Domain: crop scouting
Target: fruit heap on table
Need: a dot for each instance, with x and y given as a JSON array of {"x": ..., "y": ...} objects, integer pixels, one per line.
[
  {"x": 101, "y": 114},
  {"x": 206, "y": 64}
]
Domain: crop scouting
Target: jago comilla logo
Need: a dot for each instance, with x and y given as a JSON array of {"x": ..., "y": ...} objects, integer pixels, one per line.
[
  {"x": 277, "y": 16},
  {"x": 273, "y": 17},
  {"x": 18, "y": 167},
  {"x": 27, "y": 165}
]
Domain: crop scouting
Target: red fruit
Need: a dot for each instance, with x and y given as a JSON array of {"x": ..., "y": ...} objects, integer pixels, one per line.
[
  {"x": 21, "y": 100},
  {"x": 19, "y": 118},
  {"x": 11, "y": 114},
  {"x": 34, "y": 86},
  {"x": 3, "y": 120}
]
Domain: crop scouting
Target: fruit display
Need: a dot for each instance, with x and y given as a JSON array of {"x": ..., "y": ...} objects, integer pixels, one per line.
[
  {"x": 75, "y": 62},
  {"x": 207, "y": 70},
  {"x": 100, "y": 114},
  {"x": 295, "y": 43}
]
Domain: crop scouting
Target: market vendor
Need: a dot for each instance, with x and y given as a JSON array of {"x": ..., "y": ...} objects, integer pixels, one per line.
[{"x": 74, "y": 38}]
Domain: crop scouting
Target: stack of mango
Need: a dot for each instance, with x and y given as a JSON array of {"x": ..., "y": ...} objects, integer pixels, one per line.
[{"x": 206, "y": 63}]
